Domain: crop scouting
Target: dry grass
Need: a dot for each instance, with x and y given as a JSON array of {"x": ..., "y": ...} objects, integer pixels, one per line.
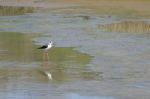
[{"x": 127, "y": 26}]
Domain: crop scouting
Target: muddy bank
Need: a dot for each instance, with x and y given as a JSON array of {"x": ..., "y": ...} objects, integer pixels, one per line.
[
  {"x": 117, "y": 7},
  {"x": 35, "y": 3}
]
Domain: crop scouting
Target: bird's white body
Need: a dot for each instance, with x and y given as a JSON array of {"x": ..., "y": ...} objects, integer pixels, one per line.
[
  {"x": 46, "y": 47},
  {"x": 49, "y": 46}
]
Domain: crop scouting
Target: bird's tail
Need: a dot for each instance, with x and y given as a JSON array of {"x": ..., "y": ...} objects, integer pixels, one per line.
[{"x": 39, "y": 48}]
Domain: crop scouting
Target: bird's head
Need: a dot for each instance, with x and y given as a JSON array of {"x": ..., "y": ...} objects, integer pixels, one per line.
[{"x": 51, "y": 43}]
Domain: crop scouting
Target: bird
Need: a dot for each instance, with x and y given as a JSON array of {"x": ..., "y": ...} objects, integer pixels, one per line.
[{"x": 47, "y": 46}]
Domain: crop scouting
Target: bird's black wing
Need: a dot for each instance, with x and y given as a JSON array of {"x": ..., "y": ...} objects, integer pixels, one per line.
[{"x": 43, "y": 47}]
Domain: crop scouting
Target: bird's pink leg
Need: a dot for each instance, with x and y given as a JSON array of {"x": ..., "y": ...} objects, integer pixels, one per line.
[
  {"x": 44, "y": 56},
  {"x": 47, "y": 57}
]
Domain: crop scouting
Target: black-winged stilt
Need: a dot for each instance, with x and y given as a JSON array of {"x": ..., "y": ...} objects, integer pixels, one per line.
[{"x": 46, "y": 47}]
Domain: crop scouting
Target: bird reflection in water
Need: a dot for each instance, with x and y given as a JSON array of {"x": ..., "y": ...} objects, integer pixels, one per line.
[{"x": 46, "y": 69}]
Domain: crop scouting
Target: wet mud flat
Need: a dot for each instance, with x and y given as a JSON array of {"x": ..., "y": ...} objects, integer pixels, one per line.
[{"x": 97, "y": 54}]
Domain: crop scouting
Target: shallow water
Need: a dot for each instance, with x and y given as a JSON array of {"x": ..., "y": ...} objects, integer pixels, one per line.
[{"x": 88, "y": 61}]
